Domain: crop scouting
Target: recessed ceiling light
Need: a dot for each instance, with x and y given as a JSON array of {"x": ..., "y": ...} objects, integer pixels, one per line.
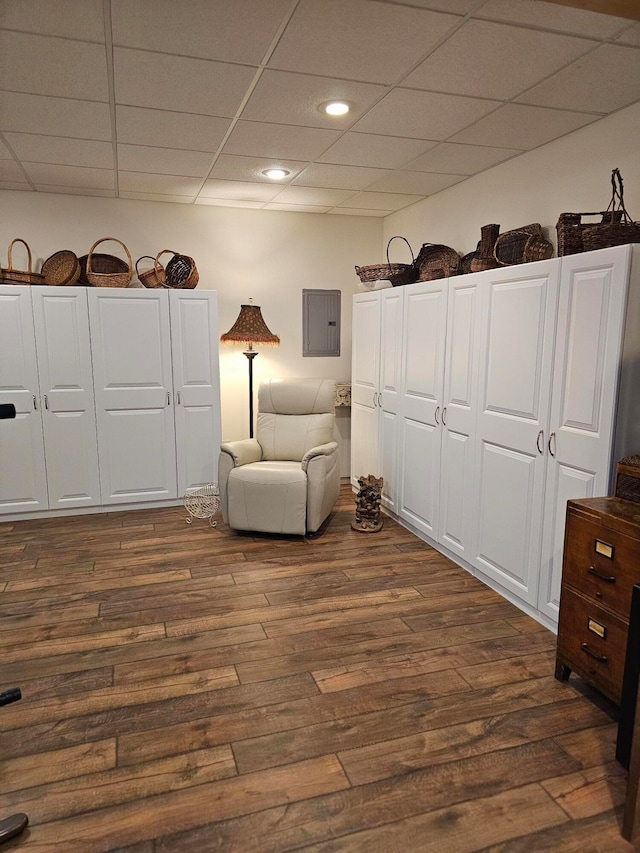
[
  {"x": 335, "y": 108},
  {"x": 276, "y": 174}
]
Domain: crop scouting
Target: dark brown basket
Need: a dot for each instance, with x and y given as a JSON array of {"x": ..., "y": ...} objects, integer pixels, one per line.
[
  {"x": 522, "y": 245},
  {"x": 467, "y": 260},
  {"x": 153, "y": 277},
  {"x": 436, "y": 261},
  {"x": 10, "y": 276},
  {"x": 180, "y": 273},
  {"x": 483, "y": 257},
  {"x": 570, "y": 229},
  {"x": 619, "y": 228},
  {"x": 397, "y": 274},
  {"x": 102, "y": 273},
  {"x": 628, "y": 479},
  {"x": 61, "y": 268}
]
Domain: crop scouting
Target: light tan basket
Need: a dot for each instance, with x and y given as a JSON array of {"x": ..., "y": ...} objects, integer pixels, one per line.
[
  {"x": 153, "y": 277},
  {"x": 61, "y": 268},
  {"x": 10, "y": 276},
  {"x": 98, "y": 276}
]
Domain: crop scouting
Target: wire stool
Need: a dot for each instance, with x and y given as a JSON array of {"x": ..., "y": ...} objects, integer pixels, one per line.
[{"x": 203, "y": 503}]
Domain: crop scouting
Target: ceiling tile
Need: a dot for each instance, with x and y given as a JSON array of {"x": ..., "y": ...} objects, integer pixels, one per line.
[
  {"x": 359, "y": 40},
  {"x": 494, "y": 61},
  {"x": 304, "y": 208},
  {"x": 423, "y": 115},
  {"x": 368, "y": 149},
  {"x": 10, "y": 171},
  {"x": 345, "y": 177},
  {"x": 69, "y": 176},
  {"x": 5, "y": 154},
  {"x": 228, "y": 202},
  {"x": 286, "y": 98},
  {"x": 54, "y": 116},
  {"x": 83, "y": 19},
  {"x": 175, "y": 83},
  {"x": 179, "y": 199},
  {"x": 630, "y": 36},
  {"x": 459, "y": 7},
  {"x": 381, "y": 201},
  {"x": 347, "y": 211},
  {"x": 313, "y": 195},
  {"x": 234, "y": 168},
  {"x": 144, "y": 182},
  {"x": 260, "y": 139},
  {"x": 518, "y": 126},
  {"x": 605, "y": 80},
  {"x": 65, "y": 190},
  {"x": 208, "y": 29},
  {"x": 61, "y": 150},
  {"x": 164, "y": 129},
  {"x": 163, "y": 161},
  {"x": 424, "y": 183},
  {"x": 11, "y": 185},
  {"x": 450, "y": 158},
  {"x": 240, "y": 190},
  {"x": 70, "y": 69},
  {"x": 550, "y": 16}
]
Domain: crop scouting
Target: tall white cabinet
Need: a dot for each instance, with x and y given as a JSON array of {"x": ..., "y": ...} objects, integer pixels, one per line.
[
  {"x": 519, "y": 390},
  {"x": 117, "y": 396}
]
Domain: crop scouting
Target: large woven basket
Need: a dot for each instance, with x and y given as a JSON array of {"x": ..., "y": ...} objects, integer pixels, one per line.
[
  {"x": 522, "y": 245},
  {"x": 8, "y": 275},
  {"x": 397, "y": 274},
  {"x": 153, "y": 277},
  {"x": 61, "y": 268},
  {"x": 570, "y": 227},
  {"x": 628, "y": 479},
  {"x": 103, "y": 272},
  {"x": 618, "y": 228},
  {"x": 180, "y": 272},
  {"x": 436, "y": 261}
]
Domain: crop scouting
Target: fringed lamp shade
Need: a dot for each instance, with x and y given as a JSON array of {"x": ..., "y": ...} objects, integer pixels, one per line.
[{"x": 250, "y": 328}]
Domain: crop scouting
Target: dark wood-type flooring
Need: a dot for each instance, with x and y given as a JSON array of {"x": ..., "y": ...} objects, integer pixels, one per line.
[{"x": 191, "y": 689}]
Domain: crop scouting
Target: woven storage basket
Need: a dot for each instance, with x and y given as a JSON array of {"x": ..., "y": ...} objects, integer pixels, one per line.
[
  {"x": 522, "y": 245},
  {"x": 436, "y": 261},
  {"x": 619, "y": 228},
  {"x": 10, "y": 276},
  {"x": 180, "y": 272},
  {"x": 103, "y": 272},
  {"x": 153, "y": 277},
  {"x": 570, "y": 229},
  {"x": 484, "y": 258},
  {"x": 397, "y": 274},
  {"x": 628, "y": 479},
  {"x": 61, "y": 268}
]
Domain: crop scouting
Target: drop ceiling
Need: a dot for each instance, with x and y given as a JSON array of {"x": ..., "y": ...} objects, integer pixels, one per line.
[{"x": 189, "y": 101}]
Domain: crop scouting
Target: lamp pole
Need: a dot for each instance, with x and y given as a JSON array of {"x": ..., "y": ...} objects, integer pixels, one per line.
[{"x": 250, "y": 354}]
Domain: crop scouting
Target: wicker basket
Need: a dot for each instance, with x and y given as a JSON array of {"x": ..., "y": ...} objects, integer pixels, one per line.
[
  {"x": 103, "y": 272},
  {"x": 436, "y": 261},
  {"x": 397, "y": 274},
  {"x": 628, "y": 479},
  {"x": 61, "y": 268},
  {"x": 180, "y": 272},
  {"x": 522, "y": 245},
  {"x": 618, "y": 227},
  {"x": 153, "y": 277},
  {"x": 484, "y": 258},
  {"x": 570, "y": 229},
  {"x": 10, "y": 276}
]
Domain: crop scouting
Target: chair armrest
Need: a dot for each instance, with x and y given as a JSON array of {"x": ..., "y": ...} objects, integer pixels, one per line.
[
  {"x": 242, "y": 452},
  {"x": 321, "y": 450}
]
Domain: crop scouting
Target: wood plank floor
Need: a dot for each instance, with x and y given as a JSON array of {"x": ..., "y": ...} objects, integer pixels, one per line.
[{"x": 191, "y": 689}]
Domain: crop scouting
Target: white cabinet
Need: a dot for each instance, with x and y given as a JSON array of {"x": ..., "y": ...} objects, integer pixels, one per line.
[{"x": 375, "y": 387}]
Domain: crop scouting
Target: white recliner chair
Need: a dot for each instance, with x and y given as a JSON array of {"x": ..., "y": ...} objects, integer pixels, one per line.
[{"x": 287, "y": 479}]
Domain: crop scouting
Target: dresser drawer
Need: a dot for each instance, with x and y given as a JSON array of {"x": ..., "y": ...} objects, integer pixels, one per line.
[
  {"x": 592, "y": 642},
  {"x": 600, "y": 563}
]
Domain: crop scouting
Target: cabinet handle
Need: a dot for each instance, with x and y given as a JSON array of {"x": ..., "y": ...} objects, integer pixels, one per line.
[
  {"x": 552, "y": 436},
  {"x": 601, "y": 658},
  {"x": 435, "y": 415},
  {"x": 540, "y": 436},
  {"x": 444, "y": 414},
  {"x": 35, "y": 403},
  {"x": 606, "y": 578},
  {"x": 46, "y": 403},
  {"x": 375, "y": 399},
  {"x": 168, "y": 399},
  {"x": 178, "y": 398}
]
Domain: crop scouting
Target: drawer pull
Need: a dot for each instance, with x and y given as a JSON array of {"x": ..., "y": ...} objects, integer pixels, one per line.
[
  {"x": 601, "y": 658},
  {"x": 605, "y": 578}
]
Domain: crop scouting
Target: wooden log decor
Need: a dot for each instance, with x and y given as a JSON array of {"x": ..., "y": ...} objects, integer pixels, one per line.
[{"x": 368, "y": 515}]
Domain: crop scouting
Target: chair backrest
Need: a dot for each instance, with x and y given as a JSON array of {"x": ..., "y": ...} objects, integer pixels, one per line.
[{"x": 294, "y": 415}]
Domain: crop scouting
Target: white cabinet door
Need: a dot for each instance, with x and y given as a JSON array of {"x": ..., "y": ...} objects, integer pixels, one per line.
[
  {"x": 196, "y": 384},
  {"x": 388, "y": 398},
  {"x": 423, "y": 357},
  {"x": 23, "y": 481},
  {"x": 61, "y": 322},
  {"x": 516, "y": 350},
  {"x": 131, "y": 348},
  {"x": 458, "y": 414},
  {"x": 585, "y": 381},
  {"x": 365, "y": 374}
]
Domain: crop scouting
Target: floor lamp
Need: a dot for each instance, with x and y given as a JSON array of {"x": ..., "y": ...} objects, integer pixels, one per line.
[{"x": 250, "y": 329}]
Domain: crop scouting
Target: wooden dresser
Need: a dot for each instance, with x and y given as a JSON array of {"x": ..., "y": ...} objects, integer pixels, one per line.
[{"x": 600, "y": 566}]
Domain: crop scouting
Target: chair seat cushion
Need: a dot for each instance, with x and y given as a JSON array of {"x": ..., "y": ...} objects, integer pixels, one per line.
[{"x": 268, "y": 496}]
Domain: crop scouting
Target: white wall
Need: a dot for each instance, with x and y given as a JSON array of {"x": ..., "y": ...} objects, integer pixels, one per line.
[
  {"x": 267, "y": 255},
  {"x": 572, "y": 174}
]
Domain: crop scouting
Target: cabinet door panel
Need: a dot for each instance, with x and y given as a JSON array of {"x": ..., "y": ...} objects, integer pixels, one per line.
[
  {"x": 365, "y": 375},
  {"x": 196, "y": 381},
  {"x": 131, "y": 350},
  {"x": 66, "y": 381},
  {"x": 23, "y": 481},
  {"x": 420, "y": 466},
  {"x": 391, "y": 304}
]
